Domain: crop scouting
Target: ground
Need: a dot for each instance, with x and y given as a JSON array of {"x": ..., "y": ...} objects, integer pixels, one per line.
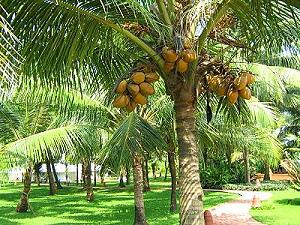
[
  {"x": 283, "y": 208},
  {"x": 112, "y": 206}
]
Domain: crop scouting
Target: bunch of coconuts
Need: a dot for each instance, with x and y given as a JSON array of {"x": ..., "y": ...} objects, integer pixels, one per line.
[
  {"x": 231, "y": 87},
  {"x": 134, "y": 91},
  {"x": 179, "y": 61}
]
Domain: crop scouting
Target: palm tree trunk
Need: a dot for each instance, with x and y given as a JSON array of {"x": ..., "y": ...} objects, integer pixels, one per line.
[
  {"x": 267, "y": 171},
  {"x": 95, "y": 174},
  {"x": 67, "y": 174},
  {"x": 153, "y": 167},
  {"x": 191, "y": 194},
  {"x": 121, "y": 183},
  {"x": 88, "y": 181},
  {"x": 246, "y": 165},
  {"x": 145, "y": 177},
  {"x": 77, "y": 174},
  {"x": 172, "y": 167},
  {"x": 82, "y": 173},
  {"x": 166, "y": 169},
  {"x": 127, "y": 175},
  {"x": 23, "y": 205},
  {"x": 140, "y": 217},
  {"x": 50, "y": 179},
  {"x": 37, "y": 174},
  {"x": 58, "y": 185}
]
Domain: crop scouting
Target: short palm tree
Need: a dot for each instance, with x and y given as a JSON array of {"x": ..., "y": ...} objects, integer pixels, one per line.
[{"x": 63, "y": 38}]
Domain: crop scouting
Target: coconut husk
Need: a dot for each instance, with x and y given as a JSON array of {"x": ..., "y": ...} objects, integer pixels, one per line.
[
  {"x": 140, "y": 99},
  {"x": 232, "y": 96},
  {"x": 133, "y": 89},
  {"x": 245, "y": 93},
  {"x": 188, "y": 55},
  {"x": 168, "y": 67},
  {"x": 169, "y": 54},
  {"x": 121, "y": 101},
  {"x": 131, "y": 106},
  {"x": 121, "y": 87},
  {"x": 146, "y": 89},
  {"x": 138, "y": 77},
  {"x": 151, "y": 77},
  {"x": 181, "y": 66},
  {"x": 240, "y": 82}
]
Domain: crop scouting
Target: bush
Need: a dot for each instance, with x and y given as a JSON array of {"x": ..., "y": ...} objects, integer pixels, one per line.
[{"x": 265, "y": 186}]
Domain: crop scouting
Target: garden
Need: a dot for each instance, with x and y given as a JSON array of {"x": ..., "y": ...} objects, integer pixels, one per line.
[{"x": 150, "y": 112}]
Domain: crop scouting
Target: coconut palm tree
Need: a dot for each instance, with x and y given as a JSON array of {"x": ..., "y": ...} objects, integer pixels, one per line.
[{"x": 96, "y": 35}]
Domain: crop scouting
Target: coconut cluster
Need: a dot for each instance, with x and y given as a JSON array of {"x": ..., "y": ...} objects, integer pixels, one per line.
[
  {"x": 179, "y": 61},
  {"x": 135, "y": 90},
  {"x": 230, "y": 86}
]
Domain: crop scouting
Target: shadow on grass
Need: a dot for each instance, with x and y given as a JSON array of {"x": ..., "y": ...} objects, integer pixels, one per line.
[{"x": 287, "y": 201}]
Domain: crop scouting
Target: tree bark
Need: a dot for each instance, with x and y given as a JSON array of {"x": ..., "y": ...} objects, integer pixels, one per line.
[
  {"x": 52, "y": 184},
  {"x": 172, "y": 167},
  {"x": 67, "y": 174},
  {"x": 23, "y": 205},
  {"x": 87, "y": 172},
  {"x": 82, "y": 173},
  {"x": 127, "y": 175},
  {"x": 145, "y": 177},
  {"x": 58, "y": 184},
  {"x": 246, "y": 165},
  {"x": 191, "y": 194},
  {"x": 140, "y": 217}
]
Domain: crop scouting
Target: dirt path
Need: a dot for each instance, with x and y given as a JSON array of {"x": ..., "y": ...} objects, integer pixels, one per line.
[{"x": 236, "y": 212}]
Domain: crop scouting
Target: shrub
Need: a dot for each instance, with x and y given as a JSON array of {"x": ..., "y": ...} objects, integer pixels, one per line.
[{"x": 265, "y": 186}]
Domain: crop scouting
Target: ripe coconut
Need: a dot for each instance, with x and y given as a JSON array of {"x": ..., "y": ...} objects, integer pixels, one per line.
[
  {"x": 181, "y": 66},
  {"x": 151, "y": 77},
  {"x": 140, "y": 99},
  {"x": 138, "y": 77},
  {"x": 121, "y": 101},
  {"x": 188, "y": 55},
  {"x": 232, "y": 96},
  {"x": 168, "y": 67},
  {"x": 146, "y": 89},
  {"x": 187, "y": 43},
  {"x": 240, "y": 82},
  {"x": 250, "y": 78},
  {"x": 131, "y": 106},
  {"x": 222, "y": 89},
  {"x": 213, "y": 82},
  {"x": 121, "y": 87},
  {"x": 245, "y": 93},
  {"x": 169, "y": 54},
  {"x": 133, "y": 89}
]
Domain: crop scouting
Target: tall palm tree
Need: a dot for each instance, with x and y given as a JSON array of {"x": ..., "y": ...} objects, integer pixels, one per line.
[{"x": 96, "y": 35}]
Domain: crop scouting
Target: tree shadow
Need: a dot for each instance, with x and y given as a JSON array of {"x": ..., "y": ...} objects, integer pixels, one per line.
[{"x": 289, "y": 201}]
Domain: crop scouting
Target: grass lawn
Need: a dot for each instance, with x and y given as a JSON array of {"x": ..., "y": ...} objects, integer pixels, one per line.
[
  {"x": 282, "y": 209},
  {"x": 111, "y": 205}
]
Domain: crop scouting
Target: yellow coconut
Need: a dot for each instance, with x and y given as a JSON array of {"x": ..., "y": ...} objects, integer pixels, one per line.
[
  {"x": 138, "y": 77},
  {"x": 187, "y": 43},
  {"x": 168, "y": 67},
  {"x": 169, "y": 54},
  {"x": 121, "y": 87},
  {"x": 188, "y": 55},
  {"x": 140, "y": 99},
  {"x": 232, "y": 96},
  {"x": 182, "y": 66},
  {"x": 213, "y": 82},
  {"x": 240, "y": 82},
  {"x": 245, "y": 93},
  {"x": 146, "y": 89},
  {"x": 131, "y": 106},
  {"x": 121, "y": 101},
  {"x": 133, "y": 89},
  {"x": 250, "y": 78},
  {"x": 151, "y": 77},
  {"x": 222, "y": 89}
]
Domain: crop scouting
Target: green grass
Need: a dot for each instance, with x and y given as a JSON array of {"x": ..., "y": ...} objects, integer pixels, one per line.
[
  {"x": 111, "y": 205},
  {"x": 282, "y": 209}
]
